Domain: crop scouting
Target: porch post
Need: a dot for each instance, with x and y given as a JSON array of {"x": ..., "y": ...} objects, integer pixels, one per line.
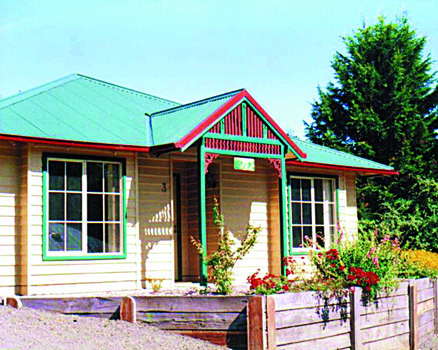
[
  {"x": 284, "y": 245},
  {"x": 202, "y": 221}
]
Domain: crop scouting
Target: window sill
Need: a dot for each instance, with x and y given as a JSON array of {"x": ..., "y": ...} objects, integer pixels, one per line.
[{"x": 82, "y": 257}]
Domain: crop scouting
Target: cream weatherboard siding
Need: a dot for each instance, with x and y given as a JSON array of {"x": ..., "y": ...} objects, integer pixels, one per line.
[
  {"x": 13, "y": 261},
  {"x": 247, "y": 198},
  {"x": 49, "y": 277}
]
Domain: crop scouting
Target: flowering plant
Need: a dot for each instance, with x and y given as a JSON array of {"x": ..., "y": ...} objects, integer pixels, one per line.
[{"x": 366, "y": 262}]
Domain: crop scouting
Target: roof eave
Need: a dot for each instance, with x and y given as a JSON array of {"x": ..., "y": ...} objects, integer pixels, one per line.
[
  {"x": 56, "y": 142},
  {"x": 359, "y": 170}
]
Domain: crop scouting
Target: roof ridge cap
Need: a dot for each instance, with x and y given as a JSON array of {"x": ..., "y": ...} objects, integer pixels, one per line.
[
  {"x": 55, "y": 83},
  {"x": 141, "y": 93},
  {"x": 196, "y": 103},
  {"x": 346, "y": 154}
]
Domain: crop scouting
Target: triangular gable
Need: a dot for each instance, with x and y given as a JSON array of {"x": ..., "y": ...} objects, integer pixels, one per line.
[{"x": 228, "y": 120}]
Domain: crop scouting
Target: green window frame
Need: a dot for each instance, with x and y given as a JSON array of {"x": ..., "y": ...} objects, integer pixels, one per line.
[
  {"x": 313, "y": 211},
  {"x": 84, "y": 207}
]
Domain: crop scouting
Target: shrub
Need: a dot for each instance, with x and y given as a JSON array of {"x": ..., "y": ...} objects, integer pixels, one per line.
[
  {"x": 419, "y": 263},
  {"x": 222, "y": 261},
  {"x": 367, "y": 262}
]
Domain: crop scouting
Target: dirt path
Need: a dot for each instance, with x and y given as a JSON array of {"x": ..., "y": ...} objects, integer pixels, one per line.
[{"x": 31, "y": 329}]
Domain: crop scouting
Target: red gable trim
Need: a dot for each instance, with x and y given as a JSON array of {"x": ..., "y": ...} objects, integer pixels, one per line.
[
  {"x": 342, "y": 167},
  {"x": 222, "y": 110},
  {"x": 74, "y": 144}
]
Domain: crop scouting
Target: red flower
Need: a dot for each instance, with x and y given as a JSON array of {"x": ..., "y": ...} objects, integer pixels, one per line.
[
  {"x": 368, "y": 288},
  {"x": 286, "y": 288},
  {"x": 342, "y": 268},
  {"x": 332, "y": 265},
  {"x": 351, "y": 277},
  {"x": 332, "y": 254}
]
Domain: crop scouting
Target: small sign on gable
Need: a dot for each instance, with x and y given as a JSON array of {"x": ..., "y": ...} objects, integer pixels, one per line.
[{"x": 244, "y": 164}]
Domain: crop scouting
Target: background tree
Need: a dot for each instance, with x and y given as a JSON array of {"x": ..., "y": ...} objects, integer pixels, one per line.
[{"x": 382, "y": 106}]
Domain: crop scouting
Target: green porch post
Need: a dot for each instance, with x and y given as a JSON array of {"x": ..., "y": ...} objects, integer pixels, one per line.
[
  {"x": 284, "y": 245},
  {"x": 202, "y": 226}
]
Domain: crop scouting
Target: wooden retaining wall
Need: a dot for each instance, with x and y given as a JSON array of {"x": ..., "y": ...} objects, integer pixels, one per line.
[
  {"x": 405, "y": 319},
  {"x": 220, "y": 320}
]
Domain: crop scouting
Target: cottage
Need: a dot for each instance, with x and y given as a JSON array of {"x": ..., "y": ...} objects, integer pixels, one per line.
[{"x": 102, "y": 186}]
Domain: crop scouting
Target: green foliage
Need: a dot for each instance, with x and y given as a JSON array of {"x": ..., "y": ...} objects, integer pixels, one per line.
[
  {"x": 222, "y": 261},
  {"x": 369, "y": 263},
  {"x": 383, "y": 106}
]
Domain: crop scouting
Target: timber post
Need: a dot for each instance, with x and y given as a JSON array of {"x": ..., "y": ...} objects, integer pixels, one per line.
[
  {"x": 413, "y": 315},
  {"x": 128, "y": 310},
  {"x": 355, "y": 326},
  {"x": 202, "y": 213},
  {"x": 435, "y": 303},
  {"x": 256, "y": 323}
]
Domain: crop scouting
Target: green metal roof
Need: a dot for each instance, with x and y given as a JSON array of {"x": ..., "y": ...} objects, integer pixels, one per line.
[
  {"x": 80, "y": 108},
  {"x": 324, "y": 155},
  {"x": 170, "y": 126}
]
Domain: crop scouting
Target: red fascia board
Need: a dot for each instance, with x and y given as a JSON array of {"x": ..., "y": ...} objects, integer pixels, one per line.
[
  {"x": 74, "y": 144},
  {"x": 343, "y": 168},
  {"x": 207, "y": 122},
  {"x": 223, "y": 109}
]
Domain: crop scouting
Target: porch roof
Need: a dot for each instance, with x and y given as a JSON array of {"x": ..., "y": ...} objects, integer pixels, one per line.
[{"x": 318, "y": 156}]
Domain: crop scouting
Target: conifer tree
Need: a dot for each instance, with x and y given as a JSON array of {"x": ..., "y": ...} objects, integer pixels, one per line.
[{"x": 382, "y": 106}]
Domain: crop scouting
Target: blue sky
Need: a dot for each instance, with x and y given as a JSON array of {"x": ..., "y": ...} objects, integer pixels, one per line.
[{"x": 280, "y": 51}]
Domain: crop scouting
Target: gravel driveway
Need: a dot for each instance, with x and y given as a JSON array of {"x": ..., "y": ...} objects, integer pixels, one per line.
[{"x": 31, "y": 329}]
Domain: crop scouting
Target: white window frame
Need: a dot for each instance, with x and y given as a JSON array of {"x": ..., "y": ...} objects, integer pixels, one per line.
[
  {"x": 84, "y": 192},
  {"x": 329, "y": 238}
]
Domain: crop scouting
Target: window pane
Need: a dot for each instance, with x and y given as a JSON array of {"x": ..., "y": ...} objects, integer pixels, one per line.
[
  {"x": 56, "y": 175},
  {"x": 297, "y": 238},
  {"x": 95, "y": 207},
  {"x": 74, "y": 237},
  {"x": 331, "y": 214},
  {"x": 74, "y": 207},
  {"x": 307, "y": 232},
  {"x": 307, "y": 214},
  {"x": 305, "y": 184},
  {"x": 330, "y": 188},
  {"x": 56, "y": 237},
  {"x": 296, "y": 213},
  {"x": 295, "y": 183},
  {"x": 95, "y": 238},
  {"x": 318, "y": 190},
  {"x": 320, "y": 235},
  {"x": 74, "y": 176},
  {"x": 94, "y": 177},
  {"x": 112, "y": 208},
  {"x": 56, "y": 206},
  {"x": 112, "y": 179},
  {"x": 112, "y": 238},
  {"x": 319, "y": 214}
]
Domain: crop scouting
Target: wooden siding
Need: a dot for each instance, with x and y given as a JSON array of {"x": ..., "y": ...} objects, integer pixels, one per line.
[
  {"x": 247, "y": 199},
  {"x": 80, "y": 276},
  {"x": 155, "y": 218},
  {"x": 13, "y": 263}
]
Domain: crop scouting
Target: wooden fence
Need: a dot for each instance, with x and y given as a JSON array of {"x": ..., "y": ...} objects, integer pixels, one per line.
[{"x": 405, "y": 319}]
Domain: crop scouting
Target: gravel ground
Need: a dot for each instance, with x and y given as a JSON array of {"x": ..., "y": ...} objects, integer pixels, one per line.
[{"x": 31, "y": 329}]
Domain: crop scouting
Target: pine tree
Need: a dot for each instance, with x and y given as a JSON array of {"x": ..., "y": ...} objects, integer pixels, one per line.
[{"x": 382, "y": 106}]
